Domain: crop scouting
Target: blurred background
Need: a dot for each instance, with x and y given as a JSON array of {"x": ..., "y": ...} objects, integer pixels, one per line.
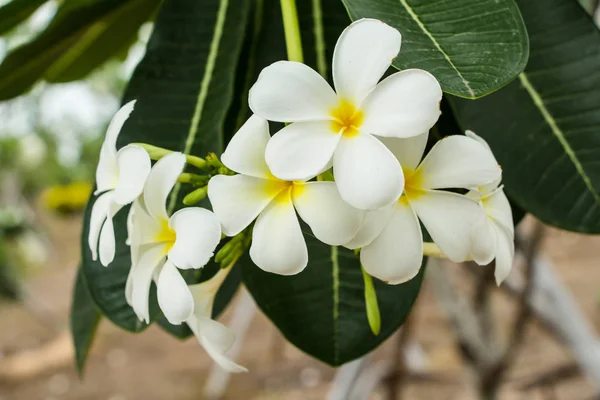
[{"x": 49, "y": 142}]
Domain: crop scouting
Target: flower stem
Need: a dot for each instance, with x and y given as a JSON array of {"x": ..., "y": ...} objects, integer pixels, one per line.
[
  {"x": 293, "y": 41},
  {"x": 156, "y": 153},
  {"x": 373, "y": 315}
]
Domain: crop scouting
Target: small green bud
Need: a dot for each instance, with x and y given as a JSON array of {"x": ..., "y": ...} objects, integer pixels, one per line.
[
  {"x": 196, "y": 196},
  {"x": 373, "y": 315}
]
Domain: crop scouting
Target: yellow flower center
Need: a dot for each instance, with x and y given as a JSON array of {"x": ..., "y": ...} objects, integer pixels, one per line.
[
  {"x": 166, "y": 235},
  {"x": 412, "y": 184},
  {"x": 347, "y": 119},
  {"x": 281, "y": 190}
]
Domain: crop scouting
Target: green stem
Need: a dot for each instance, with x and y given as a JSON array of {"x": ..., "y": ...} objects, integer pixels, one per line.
[
  {"x": 156, "y": 153},
  {"x": 293, "y": 41}
]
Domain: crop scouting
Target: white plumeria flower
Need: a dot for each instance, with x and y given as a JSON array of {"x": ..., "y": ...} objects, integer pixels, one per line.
[
  {"x": 494, "y": 236},
  {"x": 216, "y": 338},
  {"x": 120, "y": 177},
  {"x": 327, "y": 125},
  {"x": 161, "y": 244},
  {"x": 391, "y": 238},
  {"x": 277, "y": 242}
]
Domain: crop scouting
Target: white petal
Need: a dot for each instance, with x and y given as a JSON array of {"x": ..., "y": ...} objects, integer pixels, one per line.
[
  {"x": 129, "y": 286},
  {"x": 174, "y": 296},
  {"x": 375, "y": 221},
  {"x": 107, "y": 243},
  {"x": 289, "y": 91},
  {"x": 408, "y": 151},
  {"x": 198, "y": 232},
  {"x": 204, "y": 293},
  {"x": 107, "y": 172},
  {"x": 505, "y": 254},
  {"x": 151, "y": 256},
  {"x": 498, "y": 208},
  {"x": 134, "y": 167},
  {"x": 395, "y": 256},
  {"x": 216, "y": 340},
  {"x": 245, "y": 153},
  {"x": 449, "y": 219},
  {"x": 237, "y": 200},
  {"x": 278, "y": 245},
  {"x": 331, "y": 219},
  {"x": 301, "y": 150},
  {"x": 483, "y": 241},
  {"x": 367, "y": 174},
  {"x": 97, "y": 218},
  {"x": 458, "y": 162},
  {"x": 161, "y": 180},
  {"x": 475, "y": 136},
  {"x": 364, "y": 51},
  {"x": 403, "y": 105}
]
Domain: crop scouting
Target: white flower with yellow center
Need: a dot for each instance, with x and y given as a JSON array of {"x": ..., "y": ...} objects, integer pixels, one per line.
[
  {"x": 120, "y": 178},
  {"x": 340, "y": 125},
  {"x": 277, "y": 242},
  {"x": 161, "y": 244},
  {"x": 493, "y": 237},
  {"x": 391, "y": 238}
]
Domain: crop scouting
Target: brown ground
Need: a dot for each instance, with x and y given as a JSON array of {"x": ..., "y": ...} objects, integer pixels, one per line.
[{"x": 154, "y": 366}]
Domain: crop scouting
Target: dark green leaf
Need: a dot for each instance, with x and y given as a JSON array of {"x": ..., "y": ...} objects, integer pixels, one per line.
[
  {"x": 81, "y": 36},
  {"x": 84, "y": 321},
  {"x": 184, "y": 88},
  {"x": 17, "y": 11},
  {"x": 543, "y": 127},
  {"x": 473, "y": 47},
  {"x": 322, "y": 309}
]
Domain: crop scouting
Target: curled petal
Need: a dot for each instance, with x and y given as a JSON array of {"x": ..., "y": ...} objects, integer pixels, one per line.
[
  {"x": 204, "y": 293},
  {"x": 449, "y": 218},
  {"x": 174, "y": 296},
  {"x": 364, "y": 51},
  {"x": 408, "y": 151},
  {"x": 498, "y": 208},
  {"x": 197, "y": 233},
  {"x": 161, "y": 180},
  {"x": 245, "y": 153},
  {"x": 483, "y": 241},
  {"x": 237, "y": 200},
  {"x": 288, "y": 91},
  {"x": 331, "y": 219},
  {"x": 107, "y": 236},
  {"x": 405, "y": 104},
  {"x": 367, "y": 174},
  {"x": 301, "y": 150},
  {"x": 375, "y": 221},
  {"x": 216, "y": 340},
  {"x": 458, "y": 162},
  {"x": 151, "y": 257},
  {"x": 134, "y": 167},
  {"x": 505, "y": 253},
  {"x": 107, "y": 172},
  {"x": 395, "y": 256},
  {"x": 278, "y": 245},
  {"x": 97, "y": 218}
]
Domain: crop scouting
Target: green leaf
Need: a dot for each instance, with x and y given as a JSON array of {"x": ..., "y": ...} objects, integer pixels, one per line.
[
  {"x": 84, "y": 321},
  {"x": 184, "y": 87},
  {"x": 473, "y": 47},
  {"x": 81, "y": 37},
  {"x": 543, "y": 127},
  {"x": 17, "y": 11},
  {"x": 322, "y": 309}
]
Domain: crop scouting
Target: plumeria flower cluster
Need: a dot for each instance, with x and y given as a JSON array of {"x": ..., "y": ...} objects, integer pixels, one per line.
[{"x": 350, "y": 164}]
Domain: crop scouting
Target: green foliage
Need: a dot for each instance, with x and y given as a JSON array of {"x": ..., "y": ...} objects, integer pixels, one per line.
[
  {"x": 84, "y": 321},
  {"x": 473, "y": 47},
  {"x": 543, "y": 127},
  {"x": 15, "y": 12},
  {"x": 81, "y": 36}
]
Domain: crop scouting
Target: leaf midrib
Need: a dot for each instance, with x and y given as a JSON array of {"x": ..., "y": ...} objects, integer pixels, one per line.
[{"x": 557, "y": 131}]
